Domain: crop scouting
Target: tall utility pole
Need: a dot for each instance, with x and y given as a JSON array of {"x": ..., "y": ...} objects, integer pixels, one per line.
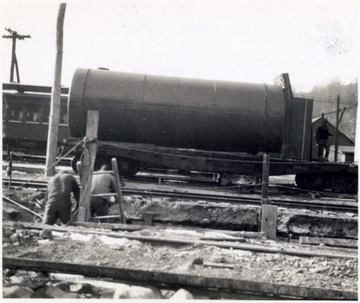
[
  {"x": 55, "y": 96},
  {"x": 14, "y": 64},
  {"x": 337, "y": 129}
]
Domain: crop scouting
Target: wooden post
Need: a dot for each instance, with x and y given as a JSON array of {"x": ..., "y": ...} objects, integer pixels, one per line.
[
  {"x": 118, "y": 189},
  {"x": 13, "y": 60},
  {"x": 9, "y": 169},
  {"x": 265, "y": 180},
  {"x": 55, "y": 97},
  {"x": 148, "y": 218},
  {"x": 268, "y": 213},
  {"x": 336, "y": 129},
  {"x": 264, "y": 186},
  {"x": 269, "y": 221},
  {"x": 87, "y": 165}
]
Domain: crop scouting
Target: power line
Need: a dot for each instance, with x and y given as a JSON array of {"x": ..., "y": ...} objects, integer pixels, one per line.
[
  {"x": 334, "y": 111},
  {"x": 321, "y": 97},
  {"x": 330, "y": 100}
]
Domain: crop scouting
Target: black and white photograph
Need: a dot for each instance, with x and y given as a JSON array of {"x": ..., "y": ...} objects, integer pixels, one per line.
[{"x": 180, "y": 150}]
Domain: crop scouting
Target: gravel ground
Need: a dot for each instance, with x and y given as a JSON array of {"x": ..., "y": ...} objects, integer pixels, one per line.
[{"x": 277, "y": 268}]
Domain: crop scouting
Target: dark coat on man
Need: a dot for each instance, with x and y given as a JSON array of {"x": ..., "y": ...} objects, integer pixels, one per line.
[{"x": 58, "y": 198}]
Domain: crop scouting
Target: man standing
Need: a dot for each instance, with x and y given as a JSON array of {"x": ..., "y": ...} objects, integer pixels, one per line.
[
  {"x": 58, "y": 198},
  {"x": 102, "y": 183},
  {"x": 322, "y": 137}
]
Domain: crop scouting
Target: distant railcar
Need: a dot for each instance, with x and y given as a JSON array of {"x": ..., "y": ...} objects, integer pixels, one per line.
[
  {"x": 185, "y": 124},
  {"x": 26, "y": 111}
]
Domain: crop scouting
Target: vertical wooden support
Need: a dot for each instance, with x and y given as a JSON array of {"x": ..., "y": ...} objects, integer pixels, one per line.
[
  {"x": 118, "y": 189},
  {"x": 13, "y": 60},
  {"x": 87, "y": 165},
  {"x": 269, "y": 221},
  {"x": 268, "y": 213},
  {"x": 336, "y": 135},
  {"x": 148, "y": 219},
  {"x": 55, "y": 97},
  {"x": 265, "y": 180},
  {"x": 9, "y": 169},
  {"x": 264, "y": 186}
]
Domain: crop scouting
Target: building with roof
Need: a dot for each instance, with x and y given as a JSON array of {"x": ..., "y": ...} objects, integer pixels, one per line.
[{"x": 346, "y": 146}]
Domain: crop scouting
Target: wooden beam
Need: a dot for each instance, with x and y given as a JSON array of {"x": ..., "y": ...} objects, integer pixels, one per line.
[
  {"x": 111, "y": 226},
  {"x": 234, "y": 239},
  {"x": 87, "y": 165},
  {"x": 329, "y": 241},
  {"x": 173, "y": 280},
  {"x": 22, "y": 206},
  {"x": 118, "y": 189}
]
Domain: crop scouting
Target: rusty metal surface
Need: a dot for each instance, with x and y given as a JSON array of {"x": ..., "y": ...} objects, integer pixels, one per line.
[{"x": 177, "y": 112}]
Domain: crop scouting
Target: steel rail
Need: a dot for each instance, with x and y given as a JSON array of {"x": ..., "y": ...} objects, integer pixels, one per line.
[
  {"x": 169, "y": 241},
  {"x": 298, "y": 204}
]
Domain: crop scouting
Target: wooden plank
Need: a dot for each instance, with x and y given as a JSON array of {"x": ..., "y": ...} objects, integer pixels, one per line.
[
  {"x": 246, "y": 234},
  {"x": 329, "y": 241},
  {"x": 111, "y": 226},
  {"x": 239, "y": 239},
  {"x": 118, "y": 189},
  {"x": 173, "y": 280},
  {"x": 22, "y": 206},
  {"x": 218, "y": 265},
  {"x": 243, "y": 246}
]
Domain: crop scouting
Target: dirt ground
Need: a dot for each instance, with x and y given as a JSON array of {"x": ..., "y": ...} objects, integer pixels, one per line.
[{"x": 102, "y": 250}]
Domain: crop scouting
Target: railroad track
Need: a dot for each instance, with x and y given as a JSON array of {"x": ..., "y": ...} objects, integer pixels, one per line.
[
  {"x": 35, "y": 159},
  {"x": 36, "y": 164},
  {"x": 29, "y": 258},
  {"x": 319, "y": 204},
  {"x": 160, "y": 176}
]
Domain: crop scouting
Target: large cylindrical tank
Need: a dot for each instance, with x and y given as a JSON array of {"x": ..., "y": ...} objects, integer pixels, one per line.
[{"x": 178, "y": 112}]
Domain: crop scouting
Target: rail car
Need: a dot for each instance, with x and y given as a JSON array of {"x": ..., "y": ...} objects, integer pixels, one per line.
[
  {"x": 184, "y": 124},
  {"x": 202, "y": 125},
  {"x": 26, "y": 118}
]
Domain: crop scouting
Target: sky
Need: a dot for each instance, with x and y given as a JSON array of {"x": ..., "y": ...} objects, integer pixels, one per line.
[{"x": 237, "y": 40}]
